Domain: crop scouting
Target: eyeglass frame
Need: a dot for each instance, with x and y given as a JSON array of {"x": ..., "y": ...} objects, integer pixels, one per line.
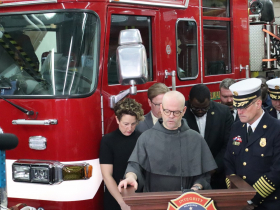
[
  {"x": 155, "y": 104},
  {"x": 200, "y": 109},
  {"x": 180, "y": 112}
]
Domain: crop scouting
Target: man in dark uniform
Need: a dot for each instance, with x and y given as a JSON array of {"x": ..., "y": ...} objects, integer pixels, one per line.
[
  {"x": 213, "y": 121},
  {"x": 274, "y": 93},
  {"x": 253, "y": 150}
]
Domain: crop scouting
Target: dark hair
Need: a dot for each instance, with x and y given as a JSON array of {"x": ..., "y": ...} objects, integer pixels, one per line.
[
  {"x": 129, "y": 106},
  {"x": 157, "y": 89},
  {"x": 200, "y": 92},
  {"x": 226, "y": 83}
]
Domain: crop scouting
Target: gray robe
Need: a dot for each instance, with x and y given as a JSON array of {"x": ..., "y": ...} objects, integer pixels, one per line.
[{"x": 169, "y": 160}]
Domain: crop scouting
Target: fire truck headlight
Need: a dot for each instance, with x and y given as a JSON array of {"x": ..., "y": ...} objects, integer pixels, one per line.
[
  {"x": 21, "y": 173},
  {"x": 37, "y": 171},
  {"x": 40, "y": 174},
  {"x": 49, "y": 172}
]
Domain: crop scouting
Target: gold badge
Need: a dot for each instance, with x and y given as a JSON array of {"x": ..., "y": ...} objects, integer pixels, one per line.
[
  {"x": 243, "y": 125},
  {"x": 212, "y": 113},
  {"x": 264, "y": 126},
  {"x": 263, "y": 142},
  {"x": 271, "y": 109},
  {"x": 235, "y": 93},
  {"x": 276, "y": 87}
]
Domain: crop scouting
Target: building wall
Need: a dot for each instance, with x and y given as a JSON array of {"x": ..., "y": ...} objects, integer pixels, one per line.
[{"x": 276, "y": 5}]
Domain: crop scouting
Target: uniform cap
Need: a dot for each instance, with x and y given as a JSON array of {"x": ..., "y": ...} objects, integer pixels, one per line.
[
  {"x": 245, "y": 91},
  {"x": 273, "y": 88}
]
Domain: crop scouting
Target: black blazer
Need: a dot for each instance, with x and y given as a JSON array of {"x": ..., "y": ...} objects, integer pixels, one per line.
[
  {"x": 272, "y": 111},
  {"x": 146, "y": 124},
  {"x": 218, "y": 124}
]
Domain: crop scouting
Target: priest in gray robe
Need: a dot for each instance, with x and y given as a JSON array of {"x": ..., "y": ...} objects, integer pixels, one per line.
[{"x": 170, "y": 156}]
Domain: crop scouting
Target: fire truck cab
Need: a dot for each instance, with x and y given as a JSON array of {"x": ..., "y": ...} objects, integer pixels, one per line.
[{"x": 59, "y": 79}]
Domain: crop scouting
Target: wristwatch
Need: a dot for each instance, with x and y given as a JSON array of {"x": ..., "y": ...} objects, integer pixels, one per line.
[
  {"x": 250, "y": 202},
  {"x": 197, "y": 187}
]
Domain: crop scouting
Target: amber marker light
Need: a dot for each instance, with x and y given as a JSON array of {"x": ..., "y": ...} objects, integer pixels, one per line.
[{"x": 76, "y": 172}]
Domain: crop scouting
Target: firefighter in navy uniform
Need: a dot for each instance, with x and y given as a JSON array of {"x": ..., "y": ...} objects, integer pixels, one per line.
[
  {"x": 274, "y": 93},
  {"x": 253, "y": 150}
]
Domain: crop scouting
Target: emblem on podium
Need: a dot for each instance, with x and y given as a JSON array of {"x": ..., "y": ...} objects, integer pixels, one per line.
[{"x": 191, "y": 201}]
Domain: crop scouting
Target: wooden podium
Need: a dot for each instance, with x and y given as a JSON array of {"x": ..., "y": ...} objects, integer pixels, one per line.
[{"x": 226, "y": 199}]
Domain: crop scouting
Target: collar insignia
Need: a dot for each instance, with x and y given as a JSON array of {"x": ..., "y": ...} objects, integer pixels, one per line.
[{"x": 264, "y": 126}]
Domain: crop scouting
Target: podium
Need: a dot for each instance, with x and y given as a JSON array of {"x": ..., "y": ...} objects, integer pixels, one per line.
[{"x": 224, "y": 199}]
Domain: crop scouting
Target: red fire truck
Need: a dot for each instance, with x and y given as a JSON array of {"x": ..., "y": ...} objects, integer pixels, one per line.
[{"x": 59, "y": 80}]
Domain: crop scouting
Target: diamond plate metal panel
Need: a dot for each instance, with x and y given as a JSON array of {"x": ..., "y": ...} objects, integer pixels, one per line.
[
  {"x": 256, "y": 47},
  {"x": 277, "y": 20}
]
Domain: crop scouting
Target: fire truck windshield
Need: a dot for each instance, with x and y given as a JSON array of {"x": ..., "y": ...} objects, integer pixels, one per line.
[{"x": 48, "y": 54}]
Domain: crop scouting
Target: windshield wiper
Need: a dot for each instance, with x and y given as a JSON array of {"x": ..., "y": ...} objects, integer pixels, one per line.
[
  {"x": 27, "y": 112},
  {"x": 5, "y": 88}
]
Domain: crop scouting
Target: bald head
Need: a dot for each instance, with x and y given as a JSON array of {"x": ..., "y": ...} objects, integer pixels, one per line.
[
  {"x": 174, "y": 97},
  {"x": 172, "y": 108}
]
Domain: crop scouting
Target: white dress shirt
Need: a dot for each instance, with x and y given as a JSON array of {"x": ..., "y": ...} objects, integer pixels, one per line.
[
  {"x": 255, "y": 124},
  {"x": 155, "y": 119},
  {"x": 201, "y": 123},
  {"x": 234, "y": 114}
]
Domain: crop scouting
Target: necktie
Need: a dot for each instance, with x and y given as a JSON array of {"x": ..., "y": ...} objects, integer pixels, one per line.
[{"x": 249, "y": 131}]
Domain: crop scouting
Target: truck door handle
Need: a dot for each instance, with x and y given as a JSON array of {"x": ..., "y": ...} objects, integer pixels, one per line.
[
  {"x": 246, "y": 68},
  {"x": 34, "y": 122},
  {"x": 173, "y": 74}
]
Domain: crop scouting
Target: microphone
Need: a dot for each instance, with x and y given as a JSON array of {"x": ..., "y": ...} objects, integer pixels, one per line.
[{"x": 8, "y": 141}]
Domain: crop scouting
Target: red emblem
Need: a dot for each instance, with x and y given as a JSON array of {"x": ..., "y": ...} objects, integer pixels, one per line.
[{"x": 191, "y": 201}]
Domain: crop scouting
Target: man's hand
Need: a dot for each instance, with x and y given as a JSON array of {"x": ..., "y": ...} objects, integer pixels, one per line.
[
  {"x": 130, "y": 180},
  {"x": 249, "y": 207},
  {"x": 197, "y": 187}
]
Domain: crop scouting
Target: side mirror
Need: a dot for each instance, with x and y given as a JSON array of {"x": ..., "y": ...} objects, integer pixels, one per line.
[
  {"x": 131, "y": 58},
  {"x": 131, "y": 63}
]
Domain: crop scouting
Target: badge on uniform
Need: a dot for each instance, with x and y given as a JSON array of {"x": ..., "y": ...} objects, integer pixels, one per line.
[
  {"x": 263, "y": 142},
  {"x": 236, "y": 141}
]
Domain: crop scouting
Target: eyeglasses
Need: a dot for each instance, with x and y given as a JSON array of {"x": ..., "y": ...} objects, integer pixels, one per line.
[
  {"x": 155, "y": 104},
  {"x": 167, "y": 112},
  {"x": 200, "y": 109}
]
